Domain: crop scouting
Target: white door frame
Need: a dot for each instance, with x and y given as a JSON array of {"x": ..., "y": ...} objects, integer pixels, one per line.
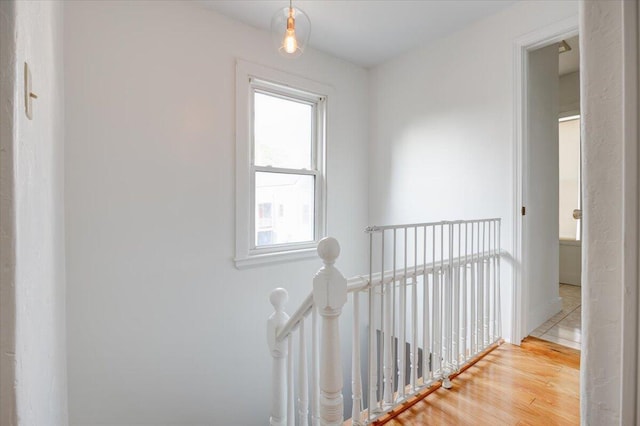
[{"x": 522, "y": 46}]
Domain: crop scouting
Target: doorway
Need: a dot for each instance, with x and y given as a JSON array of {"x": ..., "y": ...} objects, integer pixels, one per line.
[
  {"x": 536, "y": 292},
  {"x": 565, "y": 326}
]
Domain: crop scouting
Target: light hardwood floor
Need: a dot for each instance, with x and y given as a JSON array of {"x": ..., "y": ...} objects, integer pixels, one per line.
[{"x": 534, "y": 384}]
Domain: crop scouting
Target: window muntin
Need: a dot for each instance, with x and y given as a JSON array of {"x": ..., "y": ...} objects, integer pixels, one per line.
[{"x": 287, "y": 141}]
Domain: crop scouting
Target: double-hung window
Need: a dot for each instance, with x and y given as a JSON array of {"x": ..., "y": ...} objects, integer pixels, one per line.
[{"x": 280, "y": 181}]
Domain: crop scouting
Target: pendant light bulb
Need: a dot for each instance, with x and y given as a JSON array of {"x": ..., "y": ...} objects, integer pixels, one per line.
[
  {"x": 290, "y": 43},
  {"x": 290, "y": 28}
]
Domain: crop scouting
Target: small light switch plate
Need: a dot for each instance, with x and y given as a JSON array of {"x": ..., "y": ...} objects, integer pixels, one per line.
[{"x": 28, "y": 99}]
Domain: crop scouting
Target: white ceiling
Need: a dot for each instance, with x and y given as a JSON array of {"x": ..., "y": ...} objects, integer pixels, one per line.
[
  {"x": 570, "y": 61},
  {"x": 368, "y": 32}
]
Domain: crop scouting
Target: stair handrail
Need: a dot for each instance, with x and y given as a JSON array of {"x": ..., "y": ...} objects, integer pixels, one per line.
[{"x": 294, "y": 321}]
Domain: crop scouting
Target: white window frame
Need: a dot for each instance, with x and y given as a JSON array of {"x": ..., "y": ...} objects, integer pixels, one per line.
[{"x": 251, "y": 78}]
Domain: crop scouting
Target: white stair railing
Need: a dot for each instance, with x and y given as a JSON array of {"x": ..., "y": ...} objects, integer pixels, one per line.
[
  {"x": 433, "y": 307},
  {"x": 279, "y": 352},
  {"x": 329, "y": 296},
  {"x": 326, "y": 301}
]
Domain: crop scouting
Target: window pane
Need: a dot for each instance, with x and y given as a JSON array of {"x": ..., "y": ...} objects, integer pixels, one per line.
[
  {"x": 569, "y": 159},
  {"x": 284, "y": 208},
  {"x": 282, "y": 132}
]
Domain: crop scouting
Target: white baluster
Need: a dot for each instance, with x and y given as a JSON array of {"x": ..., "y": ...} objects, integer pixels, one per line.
[
  {"x": 481, "y": 292},
  {"x": 329, "y": 296},
  {"x": 426, "y": 322},
  {"x": 439, "y": 306},
  {"x": 315, "y": 366},
  {"x": 387, "y": 332},
  {"x": 385, "y": 335},
  {"x": 457, "y": 299},
  {"x": 414, "y": 314},
  {"x": 448, "y": 307},
  {"x": 497, "y": 280},
  {"x": 413, "y": 355},
  {"x": 474, "y": 291},
  {"x": 446, "y": 322},
  {"x": 356, "y": 375},
  {"x": 402, "y": 341},
  {"x": 277, "y": 320},
  {"x": 303, "y": 387},
  {"x": 434, "y": 299},
  {"x": 496, "y": 288},
  {"x": 492, "y": 259},
  {"x": 465, "y": 290},
  {"x": 498, "y": 246},
  {"x": 373, "y": 375},
  {"x": 291, "y": 410},
  {"x": 487, "y": 287}
]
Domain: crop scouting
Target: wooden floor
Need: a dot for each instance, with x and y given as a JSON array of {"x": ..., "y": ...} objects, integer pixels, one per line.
[{"x": 535, "y": 384}]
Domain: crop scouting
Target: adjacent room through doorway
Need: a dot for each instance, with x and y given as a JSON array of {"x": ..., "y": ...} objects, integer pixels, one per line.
[{"x": 564, "y": 327}]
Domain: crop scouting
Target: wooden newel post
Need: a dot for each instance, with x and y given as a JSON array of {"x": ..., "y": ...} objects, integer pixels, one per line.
[
  {"x": 329, "y": 296},
  {"x": 276, "y": 321}
]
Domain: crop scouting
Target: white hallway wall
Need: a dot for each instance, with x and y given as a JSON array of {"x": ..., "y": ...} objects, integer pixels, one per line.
[
  {"x": 570, "y": 94},
  {"x": 442, "y": 125},
  {"x": 162, "y": 327},
  {"x": 32, "y": 293},
  {"x": 540, "y": 225},
  {"x": 147, "y": 275},
  {"x": 610, "y": 191}
]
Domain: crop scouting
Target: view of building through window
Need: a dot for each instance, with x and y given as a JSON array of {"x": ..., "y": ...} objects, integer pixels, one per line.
[
  {"x": 292, "y": 196},
  {"x": 285, "y": 182}
]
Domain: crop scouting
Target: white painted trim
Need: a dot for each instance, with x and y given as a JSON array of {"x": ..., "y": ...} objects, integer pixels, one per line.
[
  {"x": 522, "y": 46},
  {"x": 245, "y": 255},
  {"x": 630, "y": 328},
  {"x": 277, "y": 257}
]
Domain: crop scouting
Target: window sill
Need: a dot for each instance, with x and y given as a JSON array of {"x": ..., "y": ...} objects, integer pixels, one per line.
[{"x": 276, "y": 257}]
